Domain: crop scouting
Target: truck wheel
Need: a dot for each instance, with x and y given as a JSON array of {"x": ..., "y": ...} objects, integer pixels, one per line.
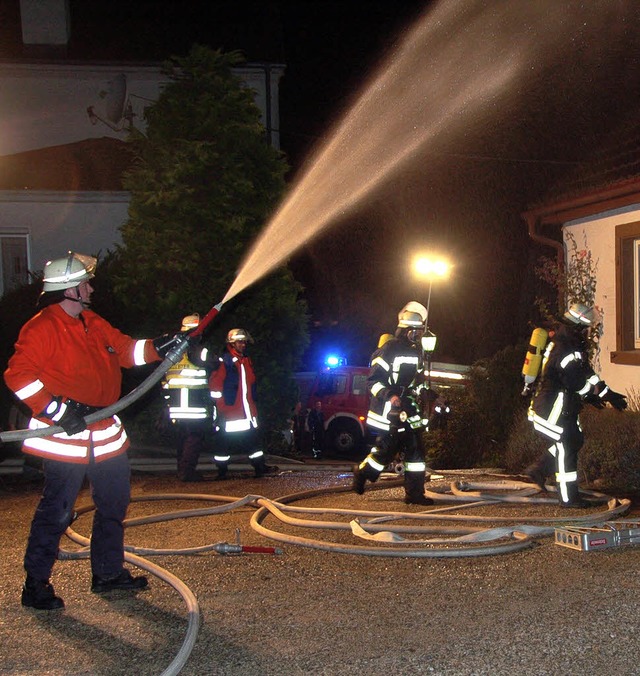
[{"x": 346, "y": 438}]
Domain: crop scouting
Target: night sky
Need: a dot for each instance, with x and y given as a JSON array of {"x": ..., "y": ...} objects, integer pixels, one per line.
[{"x": 571, "y": 74}]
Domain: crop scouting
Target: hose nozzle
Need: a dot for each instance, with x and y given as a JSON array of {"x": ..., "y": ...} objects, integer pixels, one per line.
[{"x": 227, "y": 548}]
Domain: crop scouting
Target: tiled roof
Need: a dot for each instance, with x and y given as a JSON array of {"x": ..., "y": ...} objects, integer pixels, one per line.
[
  {"x": 89, "y": 165},
  {"x": 616, "y": 163}
]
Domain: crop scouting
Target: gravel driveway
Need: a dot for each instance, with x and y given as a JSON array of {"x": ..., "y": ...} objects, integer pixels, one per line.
[{"x": 544, "y": 610}]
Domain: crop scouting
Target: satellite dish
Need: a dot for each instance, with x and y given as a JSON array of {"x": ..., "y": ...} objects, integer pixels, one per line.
[{"x": 116, "y": 98}]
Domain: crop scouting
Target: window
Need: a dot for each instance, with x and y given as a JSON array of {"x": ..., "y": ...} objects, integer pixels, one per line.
[
  {"x": 332, "y": 383},
  {"x": 14, "y": 262},
  {"x": 359, "y": 384},
  {"x": 627, "y": 295}
]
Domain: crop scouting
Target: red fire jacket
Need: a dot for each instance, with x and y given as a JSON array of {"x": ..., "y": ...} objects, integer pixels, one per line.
[
  {"x": 233, "y": 391},
  {"x": 62, "y": 356}
]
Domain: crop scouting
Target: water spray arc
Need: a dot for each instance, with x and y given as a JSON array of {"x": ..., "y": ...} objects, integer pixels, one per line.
[
  {"x": 452, "y": 72},
  {"x": 433, "y": 86}
]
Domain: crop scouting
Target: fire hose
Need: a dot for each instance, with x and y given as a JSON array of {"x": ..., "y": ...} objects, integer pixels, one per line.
[
  {"x": 135, "y": 556},
  {"x": 181, "y": 344}
]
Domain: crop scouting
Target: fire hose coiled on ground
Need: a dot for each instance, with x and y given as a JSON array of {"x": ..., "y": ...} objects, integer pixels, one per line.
[{"x": 371, "y": 525}]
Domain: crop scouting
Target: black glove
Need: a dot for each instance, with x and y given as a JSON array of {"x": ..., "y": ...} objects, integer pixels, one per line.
[
  {"x": 594, "y": 400},
  {"x": 165, "y": 342},
  {"x": 72, "y": 422},
  {"x": 617, "y": 400}
]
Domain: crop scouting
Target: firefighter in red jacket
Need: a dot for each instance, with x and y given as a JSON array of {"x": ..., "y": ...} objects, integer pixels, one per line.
[
  {"x": 66, "y": 365},
  {"x": 233, "y": 388}
]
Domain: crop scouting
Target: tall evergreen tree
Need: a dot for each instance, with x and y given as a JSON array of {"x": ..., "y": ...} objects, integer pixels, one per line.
[{"x": 204, "y": 184}]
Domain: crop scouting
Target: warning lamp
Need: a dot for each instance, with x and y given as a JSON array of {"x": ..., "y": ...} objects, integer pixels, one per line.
[
  {"x": 332, "y": 360},
  {"x": 429, "y": 345}
]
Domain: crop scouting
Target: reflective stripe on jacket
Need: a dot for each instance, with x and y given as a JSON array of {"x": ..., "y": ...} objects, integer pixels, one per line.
[
  {"x": 394, "y": 367},
  {"x": 57, "y": 355},
  {"x": 188, "y": 391},
  {"x": 566, "y": 379},
  {"x": 232, "y": 387}
]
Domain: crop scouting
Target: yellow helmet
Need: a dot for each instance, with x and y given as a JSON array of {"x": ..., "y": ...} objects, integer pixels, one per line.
[
  {"x": 190, "y": 322},
  {"x": 65, "y": 273},
  {"x": 238, "y": 334}
]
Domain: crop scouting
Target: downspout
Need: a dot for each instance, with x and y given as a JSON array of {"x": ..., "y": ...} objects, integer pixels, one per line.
[
  {"x": 533, "y": 222},
  {"x": 268, "y": 120}
]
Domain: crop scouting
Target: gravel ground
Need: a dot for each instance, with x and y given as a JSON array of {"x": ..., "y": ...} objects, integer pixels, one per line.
[{"x": 543, "y": 610}]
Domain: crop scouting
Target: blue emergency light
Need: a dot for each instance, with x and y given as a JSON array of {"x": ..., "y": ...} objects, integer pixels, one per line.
[{"x": 332, "y": 360}]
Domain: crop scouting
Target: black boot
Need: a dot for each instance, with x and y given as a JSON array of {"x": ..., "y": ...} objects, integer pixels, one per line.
[
  {"x": 124, "y": 580},
  {"x": 261, "y": 468},
  {"x": 359, "y": 481},
  {"x": 574, "y": 501},
  {"x": 361, "y": 473},
  {"x": 39, "y": 594},
  {"x": 414, "y": 489},
  {"x": 540, "y": 470},
  {"x": 222, "y": 471}
]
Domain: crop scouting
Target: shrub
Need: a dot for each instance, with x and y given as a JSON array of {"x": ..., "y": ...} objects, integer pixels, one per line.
[
  {"x": 457, "y": 446},
  {"x": 481, "y": 415},
  {"x": 523, "y": 445},
  {"x": 610, "y": 456},
  {"x": 611, "y": 453}
]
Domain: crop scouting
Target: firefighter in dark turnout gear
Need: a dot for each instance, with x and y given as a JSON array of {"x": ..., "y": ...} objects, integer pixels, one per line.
[
  {"x": 189, "y": 404},
  {"x": 394, "y": 415},
  {"x": 567, "y": 381},
  {"x": 233, "y": 388}
]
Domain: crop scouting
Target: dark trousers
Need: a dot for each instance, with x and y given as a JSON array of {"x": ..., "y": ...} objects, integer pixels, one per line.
[
  {"x": 191, "y": 442},
  {"x": 110, "y": 491},
  {"x": 565, "y": 452},
  {"x": 387, "y": 445},
  {"x": 246, "y": 442}
]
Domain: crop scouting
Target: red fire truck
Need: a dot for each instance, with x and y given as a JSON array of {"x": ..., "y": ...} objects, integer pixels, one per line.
[{"x": 345, "y": 400}]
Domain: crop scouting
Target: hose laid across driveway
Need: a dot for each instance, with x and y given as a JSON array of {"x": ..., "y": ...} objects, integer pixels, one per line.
[{"x": 466, "y": 541}]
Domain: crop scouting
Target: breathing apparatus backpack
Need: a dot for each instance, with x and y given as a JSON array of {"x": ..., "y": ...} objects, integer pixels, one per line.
[{"x": 533, "y": 359}]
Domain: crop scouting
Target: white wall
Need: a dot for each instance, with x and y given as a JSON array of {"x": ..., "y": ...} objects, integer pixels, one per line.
[
  {"x": 86, "y": 222},
  {"x": 599, "y": 231},
  {"x": 43, "y": 106},
  {"x": 46, "y": 105}
]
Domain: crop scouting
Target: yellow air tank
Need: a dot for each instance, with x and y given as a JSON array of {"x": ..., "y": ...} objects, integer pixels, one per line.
[{"x": 533, "y": 359}]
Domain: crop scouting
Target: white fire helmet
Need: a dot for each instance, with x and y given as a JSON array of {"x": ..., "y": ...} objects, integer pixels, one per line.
[
  {"x": 413, "y": 315},
  {"x": 68, "y": 272},
  {"x": 238, "y": 334},
  {"x": 190, "y": 322},
  {"x": 582, "y": 315}
]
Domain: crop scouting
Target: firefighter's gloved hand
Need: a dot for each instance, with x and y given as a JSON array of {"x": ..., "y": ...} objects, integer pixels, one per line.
[
  {"x": 594, "y": 400},
  {"x": 163, "y": 344},
  {"x": 617, "y": 400},
  {"x": 72, "y": 422},
  {"x": 394, "y": 417}
]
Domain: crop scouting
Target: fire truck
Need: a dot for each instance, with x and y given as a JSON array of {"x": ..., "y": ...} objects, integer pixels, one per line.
[{"x": 344, "y": 395}]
